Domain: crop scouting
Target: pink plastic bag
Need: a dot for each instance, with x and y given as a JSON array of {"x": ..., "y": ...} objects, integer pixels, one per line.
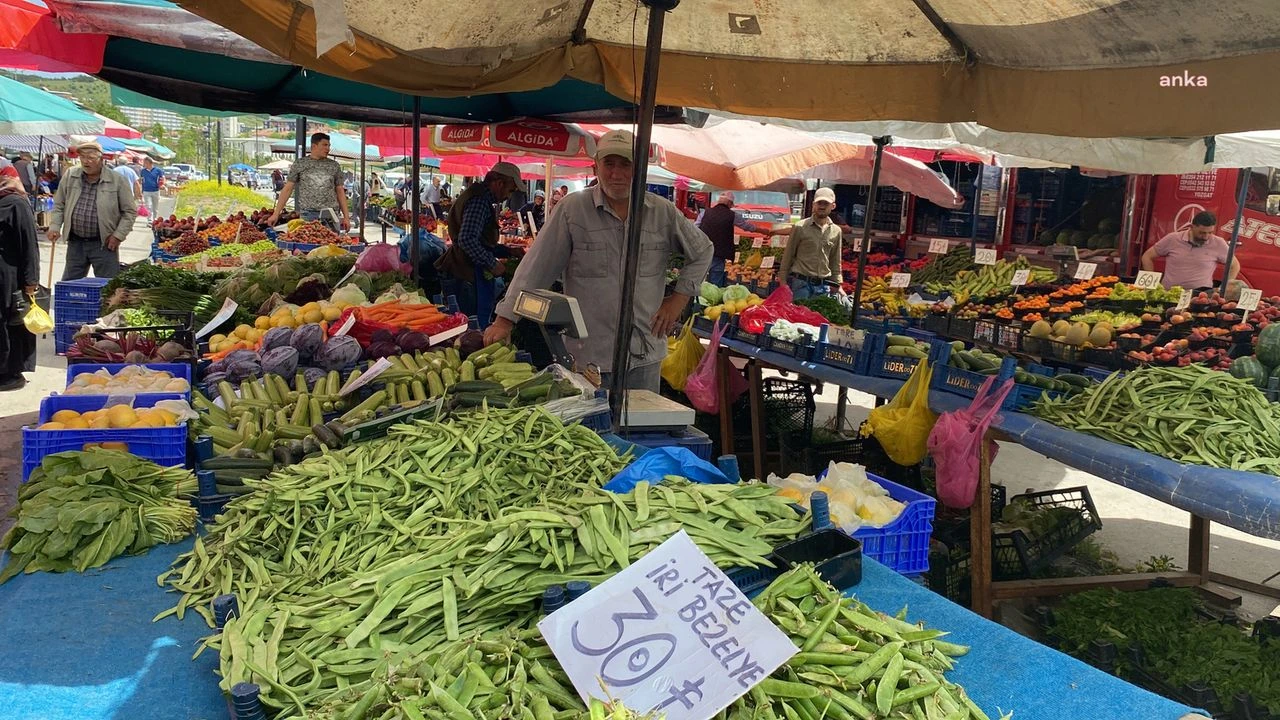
[
  {"x": 702, "y": 388},
  {"x": 143, "y": 211},
  {"x": 381, "y": 257},
  {"x": 954, "y": 444}
]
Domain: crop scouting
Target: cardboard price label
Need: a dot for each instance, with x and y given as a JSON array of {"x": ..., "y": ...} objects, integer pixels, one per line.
[
  {"x": 939, "y": 246},
  {"x": 1020, "y": 277},
  {"x": 778, "y": 241},
  {"x": 225, "y": 312},
  {"x": 842, "y": 336},
  {"x": 737, "y": 258},
  {"x": 367, "y": 377},
  {"x": 1184, "y": 299},
  {"x": 757, "y": 242},
  {"x": 767, "y": 262},
  {"x": 1085, "y": 270},
  {"x": 985, "y": 256},
  {"x": 1249, "y": 299},
  {"x": 670, "y": 635},
  {"x": 899, "y": 280},
  {"x": 857, "y": 244},
  {"x": 1147, "y": 280},
  {"x": 246, "y": 259}
]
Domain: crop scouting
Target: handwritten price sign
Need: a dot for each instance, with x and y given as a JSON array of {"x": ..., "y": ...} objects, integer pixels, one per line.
[
  {"x": 1020, "y": 277},
  {"x": 669, "y": 635},
  {"x": 228, "y": 309},
  {"x": 1249, "y": 298},
  {"x": 1184, "y": 299},
  {"x": 899, "y": 280},
  {"x": 939, "y": 246},
  {"x": 985, "y": 256},
  {"x": 767, "y": 263},
  {"x": 757, "y": 242},
  {"x": 1085, "y": 271},
  {"x": 857, "y": 244},
  {"x": 1147, "y": 280}
]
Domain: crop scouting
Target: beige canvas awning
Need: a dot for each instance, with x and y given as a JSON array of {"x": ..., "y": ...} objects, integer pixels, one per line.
[{"x": 1088, "y": 68}]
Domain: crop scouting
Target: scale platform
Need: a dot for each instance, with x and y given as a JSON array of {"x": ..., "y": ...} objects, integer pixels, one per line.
[{"x": 647, "y": 410}]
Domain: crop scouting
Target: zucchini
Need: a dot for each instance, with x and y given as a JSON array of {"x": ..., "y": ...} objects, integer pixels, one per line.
[
  {"x": 1079, "y": 381},
  {"x": 899, "y": 340},
  {"x": 476, "y": 386},
  {"x": 471, "y": 399}
]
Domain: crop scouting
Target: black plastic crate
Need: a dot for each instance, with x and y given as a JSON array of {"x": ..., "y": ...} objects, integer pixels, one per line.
[
  {"x": 962, "y": 329},
  {"x": 1017, "y": 555},
  {"x": 752, "y": 580},
  {"x": 788, "y": 409},
  {"x": 1108, "y": 358},
  {"x": 800, "y": 455},
  {"x": 837, "y": 558},
  {"x": 938, "y": 323},
  {"x": 950, "y": 576},
  {"x": 984, "y": 331}
]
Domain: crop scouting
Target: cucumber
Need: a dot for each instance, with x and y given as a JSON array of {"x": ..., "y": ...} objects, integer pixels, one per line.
[
  {"x": 534, "y": 392},
  {"x": 899, "y": 340},
  {"x": 1079, "y": 381},
  {"x": 906, "y": 351},
  {"x": 476, "y": 386},
  {"x": 470, "y": 399}
]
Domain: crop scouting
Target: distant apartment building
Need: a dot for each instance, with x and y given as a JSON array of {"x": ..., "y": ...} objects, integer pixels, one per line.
[{"x": 143, "y": 118}]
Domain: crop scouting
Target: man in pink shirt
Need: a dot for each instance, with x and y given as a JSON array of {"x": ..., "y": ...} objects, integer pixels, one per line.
[{"x": 1191, "y": 255}]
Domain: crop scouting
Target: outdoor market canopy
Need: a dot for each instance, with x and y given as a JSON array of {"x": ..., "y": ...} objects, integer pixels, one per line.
[
  {"x": 1086, "y": 68},
  {"x": 343, "y": 146},
  {"x": 162, "y": 51},
  {"x": 153, "y": 149},
  {"x": 25, "y": 110}
]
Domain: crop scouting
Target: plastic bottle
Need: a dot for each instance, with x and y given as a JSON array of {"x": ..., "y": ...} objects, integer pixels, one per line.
[
  {"x": 818, "y": 505},
  {"x": 553, "y": 598},
  {"x": 577, "y": 588},
  {"x": 728, "y": 465}
]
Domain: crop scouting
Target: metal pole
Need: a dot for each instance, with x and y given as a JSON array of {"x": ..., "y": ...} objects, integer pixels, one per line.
[
  {"x": 363, "y": 195},
  {"x": 219, "y": 132},
  {"x": 1235, "y": 228},
  {"x": 977, "y": 204},
  {"x": 299, "y": 149},
  {"x": 866, "y": 226},
  {"x": 635, "y": 215},
  {"x": 415, "y": 251}
]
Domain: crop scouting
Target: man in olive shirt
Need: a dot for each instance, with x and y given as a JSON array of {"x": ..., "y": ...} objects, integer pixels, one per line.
[
  {"x": 322, "y": 193},
  {"x": 811, "y": 262},
  {"x": 585, "y": 243}
]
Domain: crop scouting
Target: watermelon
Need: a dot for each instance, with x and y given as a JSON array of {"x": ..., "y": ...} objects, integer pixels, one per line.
[
  {"x": 1268, "y": 348},
  {"x": 1249, "y": 368}
]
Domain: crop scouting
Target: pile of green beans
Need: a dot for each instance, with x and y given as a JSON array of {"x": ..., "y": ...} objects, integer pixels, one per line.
[
  {"x": 1189, "y": 414},
  {"x": 391, "y": 548},
  {"x": 854, "y": 663}
]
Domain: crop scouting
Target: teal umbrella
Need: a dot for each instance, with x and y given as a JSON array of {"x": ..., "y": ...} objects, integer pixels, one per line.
[
  {"x": 151, "y": 148},
  {"x": 25, "y": 110}
]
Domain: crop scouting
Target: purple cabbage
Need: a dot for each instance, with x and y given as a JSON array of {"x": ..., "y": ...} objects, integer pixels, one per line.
[
  {"x": 307, "y": 340},
  {"x": 312, "y": 376},
  {"x": 384, "y": 348},
  {"x": 282, "y": 361},
  {"x": 276, "y": 338},
  {"x": 243, "y": 369},
  {"x": 414, "y": 341},
  {"x": 338, "y": 352}
]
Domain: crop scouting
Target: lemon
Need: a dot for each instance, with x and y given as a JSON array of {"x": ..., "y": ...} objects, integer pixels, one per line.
[
  {"x": 214, "y": 339},
  {"x": 77, "y": 423},
  {"x": 262, "y": 322},
  {"x": 309, "y": 307},
  {"x": 51, "y": 425},
  {"x": 331, "y": 313},
  {"x": 64, "y": 415},
  {"x": 241, "y": 331},
  {"x": 102, "y": 422},
  {"x": 121, "y": 416}
]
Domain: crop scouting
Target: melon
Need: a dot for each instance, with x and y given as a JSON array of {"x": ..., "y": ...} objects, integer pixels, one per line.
[
  {"x": 1100, "y": 336},
  {"x": 1268, "y": 348},
  {"x": 1108, "y": 225},
  {"x": 1079, "y": 238},
  {"x": 1064, "y": 238},
  {"x": 1060, "y": 328},
  {"x": 1041, "y": 329},
  {"x": 1077, "y": 335},
  {"x": 1249, "y": 368}
]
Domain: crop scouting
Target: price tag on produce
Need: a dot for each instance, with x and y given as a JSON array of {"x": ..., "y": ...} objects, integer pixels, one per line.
[
  {"x": 757, "y": 242},
  {"x": 939, "y": 246},
  {"x": 246, "y": 259},
  {"x": 1085, "y": 271},
  {"x": 899, "y": 280},
  {"x": 778, "y": 241},
  {"x": 225, "y": 312},
  {"x": 857, "y": 244},
  {"x": 1020, "y": 277},
  {"x": 202, "y": 265},
  {"x": 843, "y": 336},
  {"x": 737, "y": 258},
  {"x": 1184, "y": 299},
  {"x": 670, "y": 635},
  {"x": 985, "y": 256},
  {"x": 1249, "y": 299},
  {"x": 346, "y": 325},
  {"x": 346, "y": 277},
  {"x": 367, "y": 377},
  {"x": 767, "y": 262},
  {"x": 1147, "y": 280}
]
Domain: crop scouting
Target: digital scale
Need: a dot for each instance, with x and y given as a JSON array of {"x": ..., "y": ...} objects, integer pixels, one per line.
[{"x": 559, "y": 316}]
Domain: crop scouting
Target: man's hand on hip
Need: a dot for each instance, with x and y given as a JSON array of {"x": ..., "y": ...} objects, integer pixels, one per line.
[
  {"x": 667, "y": 315},
  {"x": 499, "y": 331}
]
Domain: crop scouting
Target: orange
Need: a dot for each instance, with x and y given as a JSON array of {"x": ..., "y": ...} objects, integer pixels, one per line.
[
  {"x": 51, "y": 425},
  {"x": 62, "y": 416}
]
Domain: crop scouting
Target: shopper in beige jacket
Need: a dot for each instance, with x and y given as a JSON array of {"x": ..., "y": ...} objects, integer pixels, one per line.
[{"x": 94, "y": 210}]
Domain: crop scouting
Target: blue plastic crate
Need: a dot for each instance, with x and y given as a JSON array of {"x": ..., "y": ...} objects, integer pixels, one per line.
[
  {"x": 902, "y": 545},
  {"x": 882, "y": 364},
  {"x": 63, "y": 336},
  {"x": 163, "y": 446},
  {"x": 77, "y": 302},
  {"x": 839, "y": 356},
  {"x": 965, "y": 383},
  {"x": 691, "y": 438},
  {"x": 178, "y": 370},
  {"x": 1023, "y": 396},
  {"x": 798, "y": 350}
]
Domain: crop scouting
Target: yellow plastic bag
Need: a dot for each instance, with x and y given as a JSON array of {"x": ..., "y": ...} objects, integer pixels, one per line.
[
  {"x": 683, "y": 355},
  {"x": 37, "y": 320},
  {"x": 903, "y": 424}
]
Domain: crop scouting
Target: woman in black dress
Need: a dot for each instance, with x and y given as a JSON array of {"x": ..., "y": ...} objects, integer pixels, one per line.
[{"x": 19, "y": 270}]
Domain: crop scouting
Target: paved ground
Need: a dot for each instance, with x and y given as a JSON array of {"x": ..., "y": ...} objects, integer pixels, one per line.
[{"x": 1135, "y": 527}]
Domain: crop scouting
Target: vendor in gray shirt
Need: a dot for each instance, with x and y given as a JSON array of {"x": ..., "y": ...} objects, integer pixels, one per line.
[
  {"x": 584, "y": 243},
  {"x": 321, "y": 187}
]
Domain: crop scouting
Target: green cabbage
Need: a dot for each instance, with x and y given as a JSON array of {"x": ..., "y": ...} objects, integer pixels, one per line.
[
  {"x": 710, "y": 293},
  {"x": 734, "y": 293}
]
